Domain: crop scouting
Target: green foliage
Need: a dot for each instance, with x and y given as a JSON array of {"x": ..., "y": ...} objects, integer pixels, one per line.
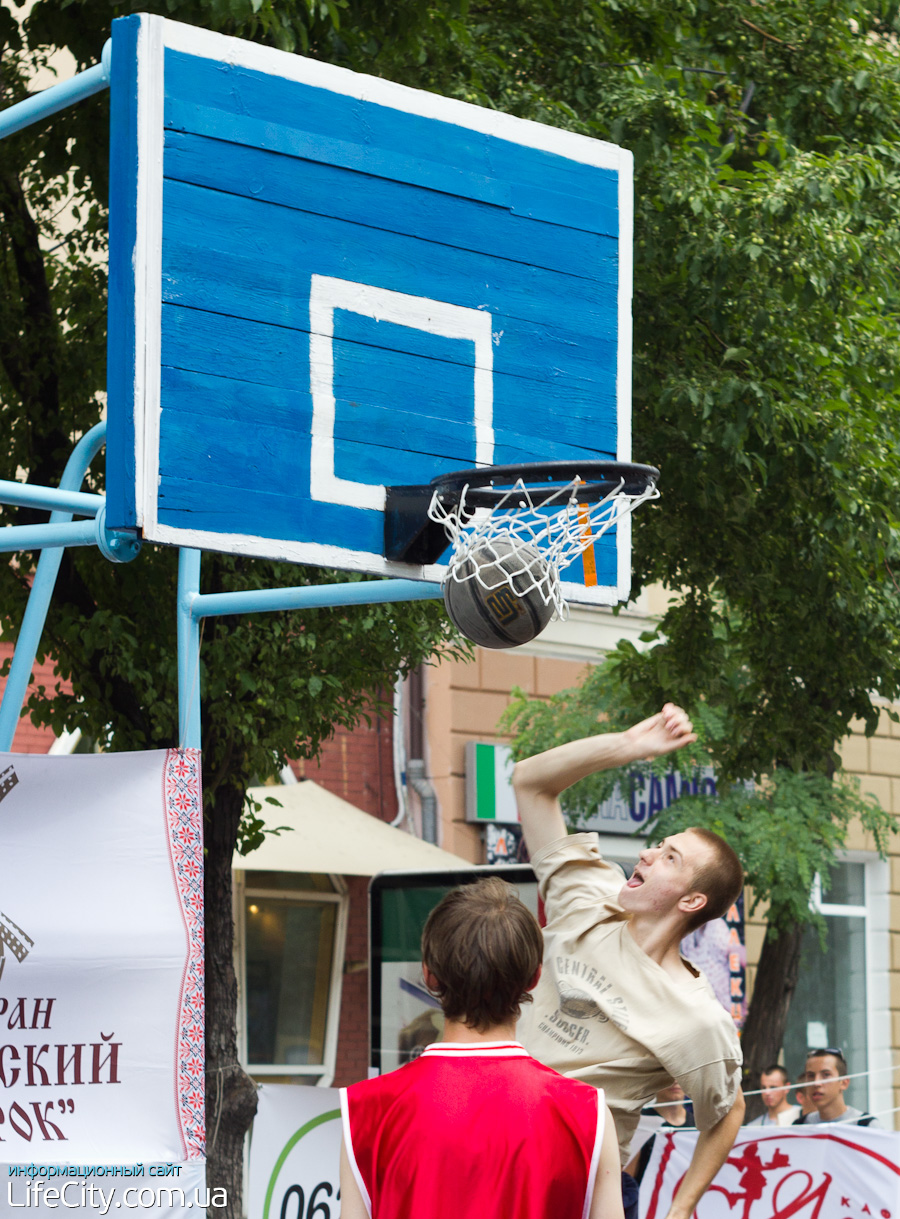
[
  {"x": 767, "y": 162},
  {"x": 252, "y": 830},
  {"x": 785, "y": 830},
  {"x": 602, "y": 702}
]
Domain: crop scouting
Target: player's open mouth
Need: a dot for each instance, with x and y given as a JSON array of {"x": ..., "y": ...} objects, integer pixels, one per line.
[{"x": 633, "y": 881}]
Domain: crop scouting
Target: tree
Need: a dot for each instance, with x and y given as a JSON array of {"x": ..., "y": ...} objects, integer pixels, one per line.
[
  {"x": 766, "y": 159},
  {"x": 766, "y": 357},
  {"x": 273, "y": 686}
]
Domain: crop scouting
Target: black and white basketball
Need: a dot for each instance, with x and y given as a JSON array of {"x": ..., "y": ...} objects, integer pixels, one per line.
[{"x": 500, "y": 607}]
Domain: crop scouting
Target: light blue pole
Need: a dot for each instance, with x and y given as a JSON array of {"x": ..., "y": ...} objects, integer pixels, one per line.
[
  {"x": 194, "y": 606},
  {"x": 313, "y": 596},
  {"x": 52, "y": 499},
  {"x": 37, "y": 537},
  {"x": 188, "y": 650},
  {"x": 42, "y": 589},
  {"x": 57, "y": 97}
]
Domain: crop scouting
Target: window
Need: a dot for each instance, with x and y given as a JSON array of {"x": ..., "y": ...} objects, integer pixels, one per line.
[
  {"x": 841, "y": 997},
  {"x": 292, "y": 928}
]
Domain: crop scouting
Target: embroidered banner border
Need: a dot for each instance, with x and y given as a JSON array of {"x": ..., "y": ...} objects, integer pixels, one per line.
[{"x": 182, "y": 799}]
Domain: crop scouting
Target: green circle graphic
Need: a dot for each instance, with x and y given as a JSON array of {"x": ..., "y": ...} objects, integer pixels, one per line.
[{"x": 288, "y": 1147}]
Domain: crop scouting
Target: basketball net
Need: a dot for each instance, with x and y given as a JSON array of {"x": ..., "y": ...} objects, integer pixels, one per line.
[{"x": 533, "y": 542}]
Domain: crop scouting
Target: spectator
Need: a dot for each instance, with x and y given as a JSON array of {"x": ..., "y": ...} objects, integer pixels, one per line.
[
  {"x": 775, "y": 1086},
  {"x": 676, "y": 1112},
  {"x": 806, "y": 1105},
  {"x": 826, "y": 1082}
]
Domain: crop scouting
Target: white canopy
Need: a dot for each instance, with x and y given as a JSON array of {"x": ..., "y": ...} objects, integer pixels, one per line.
[{"x": 329, "y": 834}]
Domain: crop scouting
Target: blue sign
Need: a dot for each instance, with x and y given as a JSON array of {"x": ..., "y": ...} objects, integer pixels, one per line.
[{"x": 629, "y": 813}]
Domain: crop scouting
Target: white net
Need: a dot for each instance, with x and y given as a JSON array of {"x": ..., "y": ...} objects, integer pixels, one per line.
[{"x": 527, "y": 545}]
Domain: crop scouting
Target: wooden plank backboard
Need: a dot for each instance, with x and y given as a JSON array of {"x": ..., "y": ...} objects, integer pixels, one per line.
[{"x": 322, "y": 284}]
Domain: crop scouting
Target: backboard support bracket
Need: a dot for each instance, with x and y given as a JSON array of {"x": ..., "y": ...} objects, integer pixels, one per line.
[{"x": 409, "y": 535}]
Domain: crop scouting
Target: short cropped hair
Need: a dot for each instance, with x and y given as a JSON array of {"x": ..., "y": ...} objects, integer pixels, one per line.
[
  {"x": 721, "y": 879},
  {"x": 776, "y": 1066},
  {"x": 830, "y": 1052},
  {"x": 484, "y": 947}
]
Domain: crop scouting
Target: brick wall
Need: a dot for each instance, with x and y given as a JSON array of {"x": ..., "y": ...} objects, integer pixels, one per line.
[
  {"x": 353, "y": 1032},
  {"x": 28, "y": 738},
  {"x": 357, "y": 765}
]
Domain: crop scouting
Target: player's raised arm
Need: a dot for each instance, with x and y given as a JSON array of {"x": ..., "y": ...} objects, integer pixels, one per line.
[
  {"x": 538, "y": 781},
  {"x": 710, "y": 1153}
]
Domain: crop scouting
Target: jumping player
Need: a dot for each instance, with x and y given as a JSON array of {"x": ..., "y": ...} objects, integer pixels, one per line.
[
  {"x": 475, "y": 1127},
  {"x": 617, "y": 1005}
]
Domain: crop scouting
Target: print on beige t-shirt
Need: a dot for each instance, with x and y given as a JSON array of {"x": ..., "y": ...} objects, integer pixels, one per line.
[{"x": 606, "y": 1013}]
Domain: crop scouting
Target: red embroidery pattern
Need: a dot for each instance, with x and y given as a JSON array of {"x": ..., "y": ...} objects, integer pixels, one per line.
[{"x": 184, "y": 821}]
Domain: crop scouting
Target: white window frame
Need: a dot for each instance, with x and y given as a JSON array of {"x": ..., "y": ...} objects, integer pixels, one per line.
[
  {"x": 321, "y": 1073},
  {"x": 876, "y": 913}
]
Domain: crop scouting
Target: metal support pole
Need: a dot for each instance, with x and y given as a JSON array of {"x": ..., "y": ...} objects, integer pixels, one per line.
[
  {"x": 42, "y": 589},
  {"x": 194, "y": 606},
  {"x": 188, "y": 650},
  {"x": 51, "y": 499},
  {"x": 57, "y": 97},
  {"x": 38, "y": 537},
  {"x": 314, "y": 596}
]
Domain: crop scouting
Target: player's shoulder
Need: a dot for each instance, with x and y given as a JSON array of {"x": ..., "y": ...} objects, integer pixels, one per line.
[
  {"x": 552, "y": 1081},
  {"x": 573, "y": 868},
  {"x": 392, "y": 1083}
]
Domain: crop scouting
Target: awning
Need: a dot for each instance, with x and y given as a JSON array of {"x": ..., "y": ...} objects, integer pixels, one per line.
[{"x": 329, "y": 834}]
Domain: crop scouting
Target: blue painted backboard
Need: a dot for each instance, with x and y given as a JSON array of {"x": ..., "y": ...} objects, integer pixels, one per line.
[{"x": 322, "y": 284}]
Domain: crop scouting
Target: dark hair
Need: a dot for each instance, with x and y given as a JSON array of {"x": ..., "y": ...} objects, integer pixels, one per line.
[
  {"x": 830, "y": 1051},
  {"x": 484, "y": 947},
  {"x": 776, "y": 1066},
  {"x": 721, "y": 879}
]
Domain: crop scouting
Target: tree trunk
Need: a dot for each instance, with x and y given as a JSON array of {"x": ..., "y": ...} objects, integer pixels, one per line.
[
  {"x": 776, "y": 979},
  {"x": 230, "y": 1093}
]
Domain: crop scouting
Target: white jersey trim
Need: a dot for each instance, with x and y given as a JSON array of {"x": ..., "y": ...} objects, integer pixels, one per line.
[
  {"x": 475, "y": 1049},
  {"x": 595, "y": 1157},
  {"x": 351, "y": 1154}
]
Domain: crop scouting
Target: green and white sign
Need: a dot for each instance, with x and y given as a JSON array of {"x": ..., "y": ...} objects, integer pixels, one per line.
[{"x": 489, "y": 793}]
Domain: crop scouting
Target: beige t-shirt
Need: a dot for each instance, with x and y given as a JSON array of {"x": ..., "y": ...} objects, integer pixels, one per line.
[{"x": 606, "y": 1013}]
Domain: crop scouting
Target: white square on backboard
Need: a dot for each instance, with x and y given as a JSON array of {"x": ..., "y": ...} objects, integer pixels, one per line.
[{"x": 418, "y": 312}]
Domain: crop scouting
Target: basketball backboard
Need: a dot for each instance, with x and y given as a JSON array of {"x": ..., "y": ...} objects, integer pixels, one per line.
[{"x": 323, "y": 284}]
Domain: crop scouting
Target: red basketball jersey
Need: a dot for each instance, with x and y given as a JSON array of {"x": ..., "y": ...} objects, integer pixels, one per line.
[{"x": 474, "y": 1131}]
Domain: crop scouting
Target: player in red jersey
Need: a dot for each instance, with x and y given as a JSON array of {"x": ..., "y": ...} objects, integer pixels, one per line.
[{"x": 475, "y": 1127}]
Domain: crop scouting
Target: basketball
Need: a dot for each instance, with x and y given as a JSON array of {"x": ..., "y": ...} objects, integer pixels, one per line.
[{"x": 500, "y": 607}]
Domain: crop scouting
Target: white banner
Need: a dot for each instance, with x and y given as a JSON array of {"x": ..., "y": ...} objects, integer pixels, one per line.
[
  {"x": 101, "y": 961},
  {"x": 295, "y": 1154},
  {"x": 824, "y": 1172}
]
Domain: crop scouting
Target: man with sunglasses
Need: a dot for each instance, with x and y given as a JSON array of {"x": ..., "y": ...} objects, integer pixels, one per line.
[{"x": 825, "y": 1082}]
